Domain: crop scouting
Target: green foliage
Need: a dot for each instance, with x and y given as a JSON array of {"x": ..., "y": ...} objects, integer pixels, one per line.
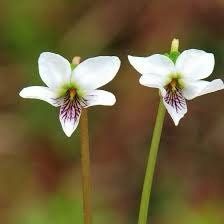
[{"x": 57, "y": 210}]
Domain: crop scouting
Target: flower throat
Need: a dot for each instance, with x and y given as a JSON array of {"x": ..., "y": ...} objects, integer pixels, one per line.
[
  {"x": 72, "y": 93},
  {"x": 174, "y": 96},
  {"x": 173, "y": 85}
]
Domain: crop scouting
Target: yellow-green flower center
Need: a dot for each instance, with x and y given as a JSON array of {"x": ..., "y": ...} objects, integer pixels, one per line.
[{"x": 174, "y": 82}]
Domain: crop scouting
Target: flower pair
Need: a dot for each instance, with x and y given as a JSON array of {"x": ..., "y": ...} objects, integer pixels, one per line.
[{"x": 73, "y": 88}]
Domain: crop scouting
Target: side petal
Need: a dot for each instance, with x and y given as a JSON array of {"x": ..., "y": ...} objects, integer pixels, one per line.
[
  {"x": 98, "y": 97},
  {"x": 157, "y": 64},
  {"x": 69, "y": 115},
  {"x": 175, "y": 104},
  {"x": 95, "y": 72},
  {"x": 153, "y": 81},
  {"x": 201, "y": 87},
  {"x": 195, "y": 64},
  {"x": 41, "y": 93},
  {"x": 55, "y": 70}
]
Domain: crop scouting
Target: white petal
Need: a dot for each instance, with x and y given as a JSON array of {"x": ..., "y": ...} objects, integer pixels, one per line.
[
  {"x": 99, "y": 97},
  {"x": 153, "y": 81},
  {"x": 41, "y": 93},
  {"x": 195, "y": 64},
  {"x": 95, "y": 72},
  {"x": 201, "y": 87},
  {"x": 157, "y": 64},
  {"x": 54, "y": 70},
  {"x": 176, "y": 106},
  {"x": 69, "y": 116}
]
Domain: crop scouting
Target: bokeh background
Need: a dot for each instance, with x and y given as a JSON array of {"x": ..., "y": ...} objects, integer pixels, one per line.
[{"x": 40, "y": 167}]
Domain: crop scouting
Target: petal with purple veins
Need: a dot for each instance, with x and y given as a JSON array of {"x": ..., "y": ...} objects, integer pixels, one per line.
[
  {"x": 175, "y": 104},
  {"x": 69, "y": 115}
]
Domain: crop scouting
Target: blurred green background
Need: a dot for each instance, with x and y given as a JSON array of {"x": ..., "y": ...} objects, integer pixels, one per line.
[{"x": 40, "y": 167}]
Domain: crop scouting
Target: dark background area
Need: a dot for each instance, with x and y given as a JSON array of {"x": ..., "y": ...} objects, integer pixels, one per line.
[{"x": 40, "y": 166}]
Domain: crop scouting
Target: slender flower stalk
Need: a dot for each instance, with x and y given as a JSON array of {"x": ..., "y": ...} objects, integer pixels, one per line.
[
  {"x": 73, "y": 88},
  {"x": 85, "y": 160},
  {"x": 147, "y": 186},
  {"x": 178, "y": 76}
]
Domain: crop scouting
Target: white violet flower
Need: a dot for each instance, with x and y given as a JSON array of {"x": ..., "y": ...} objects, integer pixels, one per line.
[
  {"x": 180, "y": 80},
  {"x": 73, "y": 89}
]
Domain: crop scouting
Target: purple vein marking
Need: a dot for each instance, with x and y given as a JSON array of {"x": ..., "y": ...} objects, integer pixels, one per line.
[{"x": 175, "y": 99}]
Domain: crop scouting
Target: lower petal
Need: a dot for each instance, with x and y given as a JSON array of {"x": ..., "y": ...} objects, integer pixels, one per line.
[
  {"x": 198, "y": 88},
  {"x": 41, "y": 93},
  {"x": 69, "y": 116},
  {"x": 98, "y": 97},
  {"x": 175, "y": 104}
]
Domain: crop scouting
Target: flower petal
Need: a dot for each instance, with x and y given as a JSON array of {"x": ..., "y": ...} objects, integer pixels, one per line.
[
  {"x": 69, "y": 116},
  {"x": 99, "y": 97},
  {"x": 95, "y": 72},
  {"x": 175, "y": 104},
  {"x": 157, "y": 64},
  {"x": 195, "y": 64},
  {"x": 153, "y": 81},
  {"x": 41, "y": 93},
  {"x": 54, "y": 69},
  {"x": 201, "y": 87}
]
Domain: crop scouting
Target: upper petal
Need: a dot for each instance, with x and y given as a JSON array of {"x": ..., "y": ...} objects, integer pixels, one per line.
[
  {"x": 41, "y": 93},
  {"x": 175, "y": 104},
  {"x": 195, "y": 64},
  {"x": 156, "y": 64},
  {"x": 201, "y": 87},
  {"x": 95, "y": 72},
  {"x": 54, "y": 69},
  {"x": 98, "y": 97}
]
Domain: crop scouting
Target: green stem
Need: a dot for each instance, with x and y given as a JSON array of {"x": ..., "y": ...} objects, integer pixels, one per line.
[
  {"x": 85, "y": 159},
  {"x": 143, "y": 212}
]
